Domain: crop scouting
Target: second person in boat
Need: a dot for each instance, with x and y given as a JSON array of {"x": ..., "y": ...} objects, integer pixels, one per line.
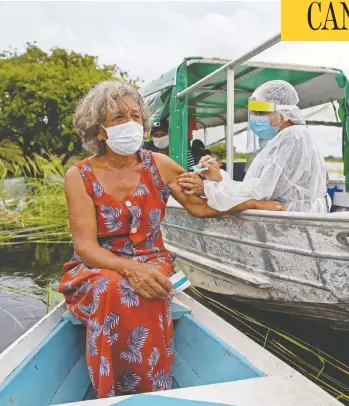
[{"x": 288, "y": 167}]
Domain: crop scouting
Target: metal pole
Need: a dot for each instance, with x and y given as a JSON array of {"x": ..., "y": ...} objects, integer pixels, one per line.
[
  {"x": 261, "y": 48},
  {"x": 205, "y": 136},
  {"x": 229, "y": 141},
  {"x": 335, "y": 111}
]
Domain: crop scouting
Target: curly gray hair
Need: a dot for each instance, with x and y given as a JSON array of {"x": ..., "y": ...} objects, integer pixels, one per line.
[{"x": 105, "y": 97}]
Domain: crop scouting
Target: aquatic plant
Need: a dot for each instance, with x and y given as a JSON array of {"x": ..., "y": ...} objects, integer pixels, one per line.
[{"x": 40, "y": 214}]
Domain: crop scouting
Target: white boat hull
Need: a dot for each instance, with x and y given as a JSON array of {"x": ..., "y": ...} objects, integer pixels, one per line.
[{"x": 289, "y": 262}]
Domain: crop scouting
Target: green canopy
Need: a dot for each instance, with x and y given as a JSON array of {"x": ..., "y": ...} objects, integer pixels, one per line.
[{"x": 315, "y": 86}]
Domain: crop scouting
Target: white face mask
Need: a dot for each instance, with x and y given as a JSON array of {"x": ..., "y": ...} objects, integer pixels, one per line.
[
  {"x": 161, "y": 142},
  {"x": 125, "y": 139}
]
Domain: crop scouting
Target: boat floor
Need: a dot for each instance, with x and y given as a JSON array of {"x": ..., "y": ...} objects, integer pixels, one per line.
[{"x": 265, "y": 391}]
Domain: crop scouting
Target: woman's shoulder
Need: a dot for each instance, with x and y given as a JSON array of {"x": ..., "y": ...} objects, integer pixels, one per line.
[
  {"x": 162, "y": 159},
  {"x": 79, "y": 177},
  {"x": 79, "y": 169},
  {"x": 83, "y": 163}
]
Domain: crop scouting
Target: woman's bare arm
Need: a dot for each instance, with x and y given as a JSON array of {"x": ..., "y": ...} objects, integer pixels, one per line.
[
  {"x": 83, "y": 225},
  {"x": 170, "y": 172}
]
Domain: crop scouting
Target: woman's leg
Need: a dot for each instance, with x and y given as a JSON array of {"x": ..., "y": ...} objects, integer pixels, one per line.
[{"x": 128, "y": 338}]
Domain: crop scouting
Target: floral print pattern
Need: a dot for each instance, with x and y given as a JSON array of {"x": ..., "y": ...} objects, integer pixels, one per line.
[{"x": 129, "y": 339}]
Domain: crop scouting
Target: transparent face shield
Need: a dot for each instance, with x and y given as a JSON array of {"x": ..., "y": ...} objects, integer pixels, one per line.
[{"x": 259, "y": 130}]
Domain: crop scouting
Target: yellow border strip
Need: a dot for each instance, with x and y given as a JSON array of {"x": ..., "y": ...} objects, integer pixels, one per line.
[{"x": 261, "y": 106}]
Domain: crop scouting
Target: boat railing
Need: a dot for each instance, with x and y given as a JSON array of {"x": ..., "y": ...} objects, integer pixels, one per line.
[{"x": 229, "y": 68}]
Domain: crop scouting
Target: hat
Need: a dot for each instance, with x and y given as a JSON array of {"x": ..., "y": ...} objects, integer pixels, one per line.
[{"x": 161, "y": 125}]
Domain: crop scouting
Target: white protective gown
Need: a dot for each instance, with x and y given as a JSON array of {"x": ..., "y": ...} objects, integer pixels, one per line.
[{"x": 289, "y": 169}]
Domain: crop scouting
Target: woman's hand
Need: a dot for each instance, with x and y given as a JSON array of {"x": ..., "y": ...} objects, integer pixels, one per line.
[
  {"x": 213, "y": 172},
  {"x": 192, "y": 184},
  {"x": 148, "y": 281}
]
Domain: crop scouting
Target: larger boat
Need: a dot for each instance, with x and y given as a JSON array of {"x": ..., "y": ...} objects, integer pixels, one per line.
[{"x": 294, "y": 263}]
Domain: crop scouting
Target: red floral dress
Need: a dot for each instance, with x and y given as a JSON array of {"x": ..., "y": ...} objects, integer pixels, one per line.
[{"x": 129, "y": 339}]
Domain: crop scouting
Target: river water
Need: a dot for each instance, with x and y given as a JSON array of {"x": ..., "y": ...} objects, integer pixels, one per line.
[{"x": 26, "y": 271}]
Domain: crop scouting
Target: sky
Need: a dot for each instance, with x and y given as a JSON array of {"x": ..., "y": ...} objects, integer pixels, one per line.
[{"x": 149, "y": 38}]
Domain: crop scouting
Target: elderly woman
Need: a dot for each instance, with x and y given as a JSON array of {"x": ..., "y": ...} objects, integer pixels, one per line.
[
  {"x": 117, "y": 281},
  {"x": 288, "y": 168}
]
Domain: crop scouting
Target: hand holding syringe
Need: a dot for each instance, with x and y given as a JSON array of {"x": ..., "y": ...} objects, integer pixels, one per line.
[
  {"x": 198, "y": 169},
  {"x": 210, "y": 166},
  {"x": 191, "y": 182}
]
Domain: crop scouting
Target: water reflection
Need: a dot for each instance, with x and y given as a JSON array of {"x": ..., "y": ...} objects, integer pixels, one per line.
[{"x": 26, "y": 272}]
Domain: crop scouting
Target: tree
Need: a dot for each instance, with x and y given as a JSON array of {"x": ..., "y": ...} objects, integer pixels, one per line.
[
  {"x": 38, "y": 95},
  {"x": 219, "y": 151}
]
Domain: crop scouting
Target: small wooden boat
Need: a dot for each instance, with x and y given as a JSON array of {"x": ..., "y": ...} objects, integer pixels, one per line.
[{"x": 215, "y": 364}]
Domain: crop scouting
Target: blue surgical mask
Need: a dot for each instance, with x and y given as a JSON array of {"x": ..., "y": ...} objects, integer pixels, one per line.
[{"x": 262, "y": 128}]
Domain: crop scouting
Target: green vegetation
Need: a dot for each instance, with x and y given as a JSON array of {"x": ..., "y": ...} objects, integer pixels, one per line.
[
  {"x": 332, "y": 158},
  {"x": 219, "y": 151},
  {"x": 40, "y": 215},
  {"x": 38, "y": 95},
  {"x": 39, "y": 92}
]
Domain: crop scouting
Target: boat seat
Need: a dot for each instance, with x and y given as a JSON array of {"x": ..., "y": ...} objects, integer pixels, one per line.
[{"x": 178, "y": 311}]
